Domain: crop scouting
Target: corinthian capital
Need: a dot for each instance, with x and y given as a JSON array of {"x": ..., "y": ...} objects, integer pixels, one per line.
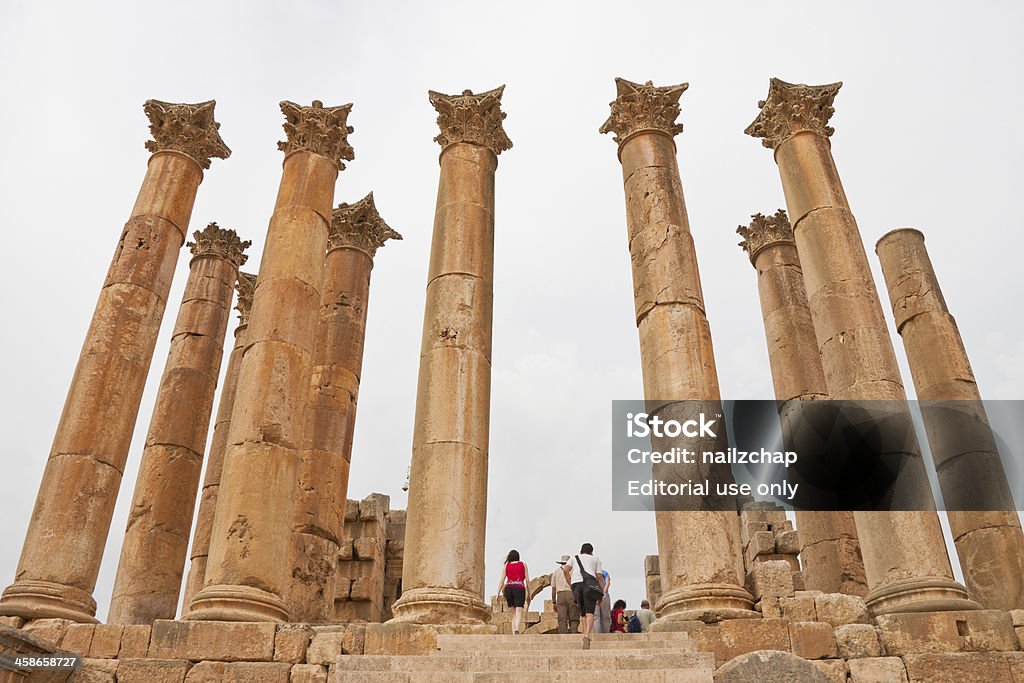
[
  {"x": 186, "y": 128},
  {"x": 245, "y": 287},
  {"x": 647, "y": 107},
  {"x": 318, "y": 129},
  {"x": 764, "y": 231},
  {"x": 793, "y": 108},
  {"x": 359, "y": 226},
  {"x": 216, "y": 241},
  {"x": 471, "y": 118}
]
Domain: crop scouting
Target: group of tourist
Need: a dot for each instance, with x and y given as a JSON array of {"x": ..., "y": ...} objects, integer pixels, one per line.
[{"x": 580, "y": 591}]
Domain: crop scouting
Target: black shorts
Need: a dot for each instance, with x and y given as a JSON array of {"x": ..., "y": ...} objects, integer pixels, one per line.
[
  {"x": 586, "y": 603},
  {"x": 515, "y": 596}
]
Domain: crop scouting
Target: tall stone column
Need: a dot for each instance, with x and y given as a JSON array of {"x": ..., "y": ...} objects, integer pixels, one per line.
[
  {"x": 829, "y": 550},
  {"x": 443, "y": 569},
  {"x": 247, "y": 568},
  {"x": 148, "y": 580},
  {"x": 318, "y": 521},
  {"x": 904, "y": 553},
  {"x": 244, "y": 286},
  {"x": 989, "y": 541},
  {"x": 68, "y": 530},
  {"x": 701, "y": 562}
]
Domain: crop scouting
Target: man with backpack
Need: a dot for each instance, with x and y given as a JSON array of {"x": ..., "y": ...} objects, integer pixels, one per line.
[
  {"x": 644, "y": 617},
  {"x": 584, "y": 575}
]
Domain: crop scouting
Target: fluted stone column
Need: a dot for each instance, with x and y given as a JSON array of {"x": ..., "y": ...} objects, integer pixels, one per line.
[
  {"x": 989, "y": 541},
  {"x": 443, "y": 570},
  {"x": 148, "y": 580},
  {"x": 247, "y": 568},
  {"x": 904, "y": 553},
  {"x": 701, "y": 562},
  {"x": 71, "y": 520},
  {"x": 318, "y": 521},
  {"x": 829, "y": 550},
  {"x": 245, "y": 285}
]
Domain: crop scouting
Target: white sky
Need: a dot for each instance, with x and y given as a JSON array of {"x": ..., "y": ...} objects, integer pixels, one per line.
[{"x": 928, "y": 135}]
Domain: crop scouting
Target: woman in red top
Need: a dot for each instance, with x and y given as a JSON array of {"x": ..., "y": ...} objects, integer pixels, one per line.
[
  {"x": 619, "y": 617},
  {"x": 515, "y": 577}
]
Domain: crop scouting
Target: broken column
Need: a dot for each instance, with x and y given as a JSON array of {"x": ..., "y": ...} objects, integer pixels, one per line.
[
  {"x": 148, "y": 580},
  {"x": 982, "y": 512},
  {"x": 245, "y": 285},
  {"x": 905, "y": 557},
  {"x": 443, "y": 577},
  {"x": 357, "y": 231},
  {"x": 247, "y": 568},
  {"x": 829, "y": 549},
  {"x": 68, "y": 530},
  {"x": 700, "y": 561}
]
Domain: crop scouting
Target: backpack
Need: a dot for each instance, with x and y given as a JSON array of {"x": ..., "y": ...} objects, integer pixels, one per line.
[{"x": 633, "y": 625}]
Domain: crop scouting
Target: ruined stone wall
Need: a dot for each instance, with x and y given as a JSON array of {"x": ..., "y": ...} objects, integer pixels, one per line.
[{"x": 369, "y": 560}]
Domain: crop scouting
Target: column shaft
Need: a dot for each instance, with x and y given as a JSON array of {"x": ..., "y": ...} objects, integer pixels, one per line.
[
  {"x": 68, "y": 530},
  {"x": 148, "y": 580},
  {"x": 989, "y": 540}
]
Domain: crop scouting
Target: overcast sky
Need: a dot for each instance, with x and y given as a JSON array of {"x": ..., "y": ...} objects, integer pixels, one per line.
[{"x": 927, "y": 134}]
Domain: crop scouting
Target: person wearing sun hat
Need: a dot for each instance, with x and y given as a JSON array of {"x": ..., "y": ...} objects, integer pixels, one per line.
[{"x": 565, "y": 603}]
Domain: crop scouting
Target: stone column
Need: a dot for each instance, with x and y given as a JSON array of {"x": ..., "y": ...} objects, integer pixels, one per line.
[
  {"x": 68, "y": 530},
  {"x": 829, "y": 550},
  {"x": 904, "y": 553},
  {"x": 982, "y": 512},
  {"x": 700, "y": 552},
  {"x": 443, "y": 570},
  {"x": 148, "y": 580},
  {"x": 247, "y": 568},
  {"x": 244, "y": 286},
  {"x": 318, "y": 521}
]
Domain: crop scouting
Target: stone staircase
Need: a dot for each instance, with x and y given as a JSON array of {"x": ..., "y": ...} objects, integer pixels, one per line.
[{"x": 625, "y": 658}]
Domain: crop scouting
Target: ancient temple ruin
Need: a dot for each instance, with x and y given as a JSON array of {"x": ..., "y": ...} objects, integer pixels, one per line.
[{"x": 288, "y": 580}]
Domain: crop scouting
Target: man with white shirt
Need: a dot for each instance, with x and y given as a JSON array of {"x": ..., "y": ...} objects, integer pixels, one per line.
[
  {"x": 563, "y": 599},
  {"x": 584, "y": 562}
]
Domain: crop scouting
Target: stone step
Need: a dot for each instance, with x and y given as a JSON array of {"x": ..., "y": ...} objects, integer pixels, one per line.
[
  {"x": 549, "y": 661},
  {"x": 490, "y": 643},
  {"x": 695, "y": 675}
]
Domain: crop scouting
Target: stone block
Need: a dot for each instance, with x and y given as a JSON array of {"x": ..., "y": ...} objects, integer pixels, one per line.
[
  {"x": 351, "y": 510},
  {"x": 877, "y": 670},
  {"x": 787, "y": 543},
  {"x": 94, "y": 671},
  {"x": 798, "y": 608},
  {"x": 342, "y": 588},
  {"x": 782, "y": 527},
  {"x": 291, "y": 641},
  {"x": 798, "y": 581},
  {"x": 106, "y": 641},
  {"x": 792, "y": 560},
  {"x": 78, "y": 638},
  {"x": 399, "y": 639},
  {"x": 224, "y": 641},
  {"x": 835, "y": 669},
  {"x": 239, "y": 672},
  {"x": 50, "y": 630},
  {"x": 748, "y": 529},
  {"x": 936, "y": 632},
  {"x": 772, "y": 580},
  {"x": 856, "y": 641},
  {"x": 150, "y": 670},
  {"x": 761, "y": 543},
  {"x": 1020, "y": 635},
  {"x": 345, "y": 550},
  {"x": 731, "y": 638},
  {"x": 769, "y": 667},
  {"x": 13, "y": 622},
  {"x": 838, "y": 609},
  {"x": 354, "y": 641},
  {"x": 1016, "y": 663},
  {"x": 1017, "y": 617},
  {"x": 652, "y": 565},
  {"x": 368, "y": 549},
  {"x": 135, "y": 641},
  {"x": 325, "y": 645},
  {"x": 374, "y": 507},
  {"x": 368, "y": 588},
  {"x": 308, "y": 673},
  {"x": 769, "y": 607},
  {"x": 812, "y": 640},
  {"x": 957, "y": 667}
]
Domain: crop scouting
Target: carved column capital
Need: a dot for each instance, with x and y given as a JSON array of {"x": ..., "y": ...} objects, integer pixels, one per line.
[
  {"x": 764, "y": 231},
  {"x": 793, "y": 108},
  {"x": 359, "y": 226},
  {"x": 186, "y": 128},
  {"x": 644, "y": 107},
  {"x": 223, "y": 243},
  {"x": 318, "y": 129},
  {"x": 475, "y": 119},
  {"x": 245, "y": 286}
]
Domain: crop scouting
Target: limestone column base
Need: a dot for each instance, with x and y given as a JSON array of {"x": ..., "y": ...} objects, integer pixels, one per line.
[
  {"x": 706, "y": 602},
  {"x": 919, "y": 594},
  {"x": 31, "y": 599},
  {"x": 236, "y": 603},
  {"x": 440, "y": 606}
]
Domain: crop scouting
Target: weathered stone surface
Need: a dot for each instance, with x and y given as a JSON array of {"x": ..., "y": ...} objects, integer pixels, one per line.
[
  {"x": 239, "y": 672},
  {"x": 957, "y": 667},
  {"x": 308, "y": 673},
  {"x": 399, "y": 639},
  {"x": 354, "y": 642},
  {"x": 50, "y": 630},
  {"x": 13, "y": 622},
  {"x": 858, "y": 640},
  {"x": 214, "y": 640},
  {"x": 767, "y": 666},
  {"x": 150, "y": 670},
  {"x": 326, "y": 644},
  {"x": 772, "y": 579},
  {"x": 95, "y": 671},
  {"x": 290, "y": 643},
  {"x": 812, "y": 640},
  {"x": 936, "y": 632},
  {"x": 135, "y": 641},
  {"x": 1017, "y": 617},
  {"x": 838, "y": 609},
  {"x": 877, "y": 670},
  {"x": 106, "y": 641},
  {"x": 78, "y": 638},
  {"x": 734, "y": 637},
  {"x": 835, "y": 669},
  {"x": 798, "y": 608},
  {"x": 788, "y": 543}
]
